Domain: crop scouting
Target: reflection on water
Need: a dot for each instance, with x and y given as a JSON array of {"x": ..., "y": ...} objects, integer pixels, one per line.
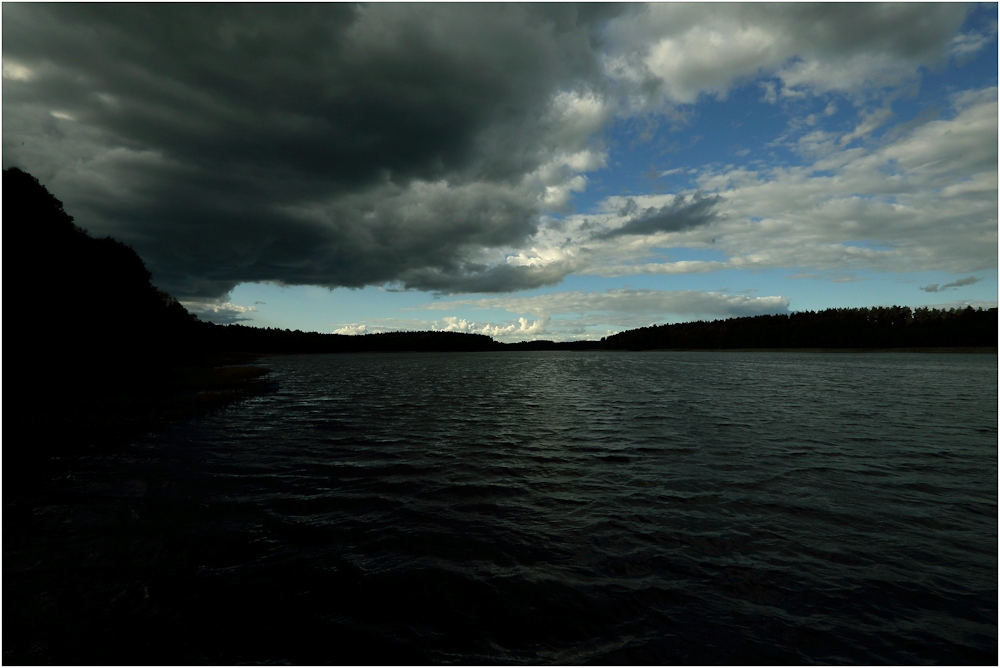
[{"x": 534, "y": 507}]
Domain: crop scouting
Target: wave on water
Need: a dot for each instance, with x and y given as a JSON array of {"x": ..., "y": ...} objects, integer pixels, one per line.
[{"x": 533, "y": 508}]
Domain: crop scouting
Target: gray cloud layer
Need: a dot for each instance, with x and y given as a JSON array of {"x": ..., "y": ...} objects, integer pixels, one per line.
[
  {"x": 934, "y": 287},
  {"x": 251, "y": 142},
  {"x": 683, "y": 213}
]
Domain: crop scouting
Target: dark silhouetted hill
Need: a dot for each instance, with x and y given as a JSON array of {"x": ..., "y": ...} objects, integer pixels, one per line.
[
  {"x": 272, "y": 340},
  {"x": 82, "y": 300},
  {"x": 93, "y": 349}
]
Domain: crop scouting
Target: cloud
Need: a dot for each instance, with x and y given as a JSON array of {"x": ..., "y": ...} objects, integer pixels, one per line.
[
  {"x": 869, "y": 122},
  {"x": 968, "y": 43},
  {"x": 439, "y": 147},
  {"x": 925, "y": 198},
  {"x": 522, "y": 329},
  {"x": 933, "y": 287},
  {"x": 16, "y": 71},
  {"x": 676, "y": 51},
  {"x": 565, "y": 316},
  {"x": 921, "y": 197},
  {"x": 352, "y": 330},
  {"x": 583, "y": 315},
  {"x": 222, "y": 313},
  {"x": 644, "y": 302},
  {"x": 380, "y": 325},
  {"x": 515, "y": 330},
  {"x": 681, "y": 214},
  {"x": 334, "y": 145},
  {"x": 477, "y": 278}
]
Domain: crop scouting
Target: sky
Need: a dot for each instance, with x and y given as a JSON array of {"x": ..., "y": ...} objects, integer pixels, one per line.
[{"x": 529, "y": 171}]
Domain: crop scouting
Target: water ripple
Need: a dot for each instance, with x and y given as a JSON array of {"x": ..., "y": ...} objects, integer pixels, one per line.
[{"x": 543, "y": 508}]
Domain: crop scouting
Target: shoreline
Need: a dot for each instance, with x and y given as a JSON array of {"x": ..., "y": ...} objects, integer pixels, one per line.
[
  {"x": 77, "y": 417},
  {"x": 967, "y": 350}
]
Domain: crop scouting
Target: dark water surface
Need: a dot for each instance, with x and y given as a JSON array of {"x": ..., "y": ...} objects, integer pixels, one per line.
[{"x": 533, "y": 507}]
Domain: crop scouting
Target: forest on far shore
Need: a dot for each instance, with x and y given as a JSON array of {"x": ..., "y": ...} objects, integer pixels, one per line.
[
  {"x": 837, "y": 328},
  {"x": 842, "y": 328}
]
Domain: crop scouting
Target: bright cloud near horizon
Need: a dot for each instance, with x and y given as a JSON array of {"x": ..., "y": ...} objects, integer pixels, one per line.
[{"x": 523, "y": 171}]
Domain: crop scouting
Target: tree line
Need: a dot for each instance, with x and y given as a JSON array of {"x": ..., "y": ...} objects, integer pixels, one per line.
[
  {"x": 837, "y": 328},
  {"x": 840, "y": 328}
]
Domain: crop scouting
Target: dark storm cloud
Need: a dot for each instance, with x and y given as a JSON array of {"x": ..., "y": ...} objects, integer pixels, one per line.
[
  {"x": 500, "y": 278},
  {"x": 246, "y": 142},
  {"x": 934, "y": 287},
  {"x": 682, "y": 214}
]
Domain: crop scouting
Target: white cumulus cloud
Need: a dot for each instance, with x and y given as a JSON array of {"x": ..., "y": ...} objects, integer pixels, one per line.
[
  {"x": 351, "y": 330},
  {"x": 678, "y": 51}
]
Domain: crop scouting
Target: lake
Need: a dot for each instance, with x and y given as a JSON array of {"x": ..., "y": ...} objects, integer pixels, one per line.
[{"x": 535, "y": 507}]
